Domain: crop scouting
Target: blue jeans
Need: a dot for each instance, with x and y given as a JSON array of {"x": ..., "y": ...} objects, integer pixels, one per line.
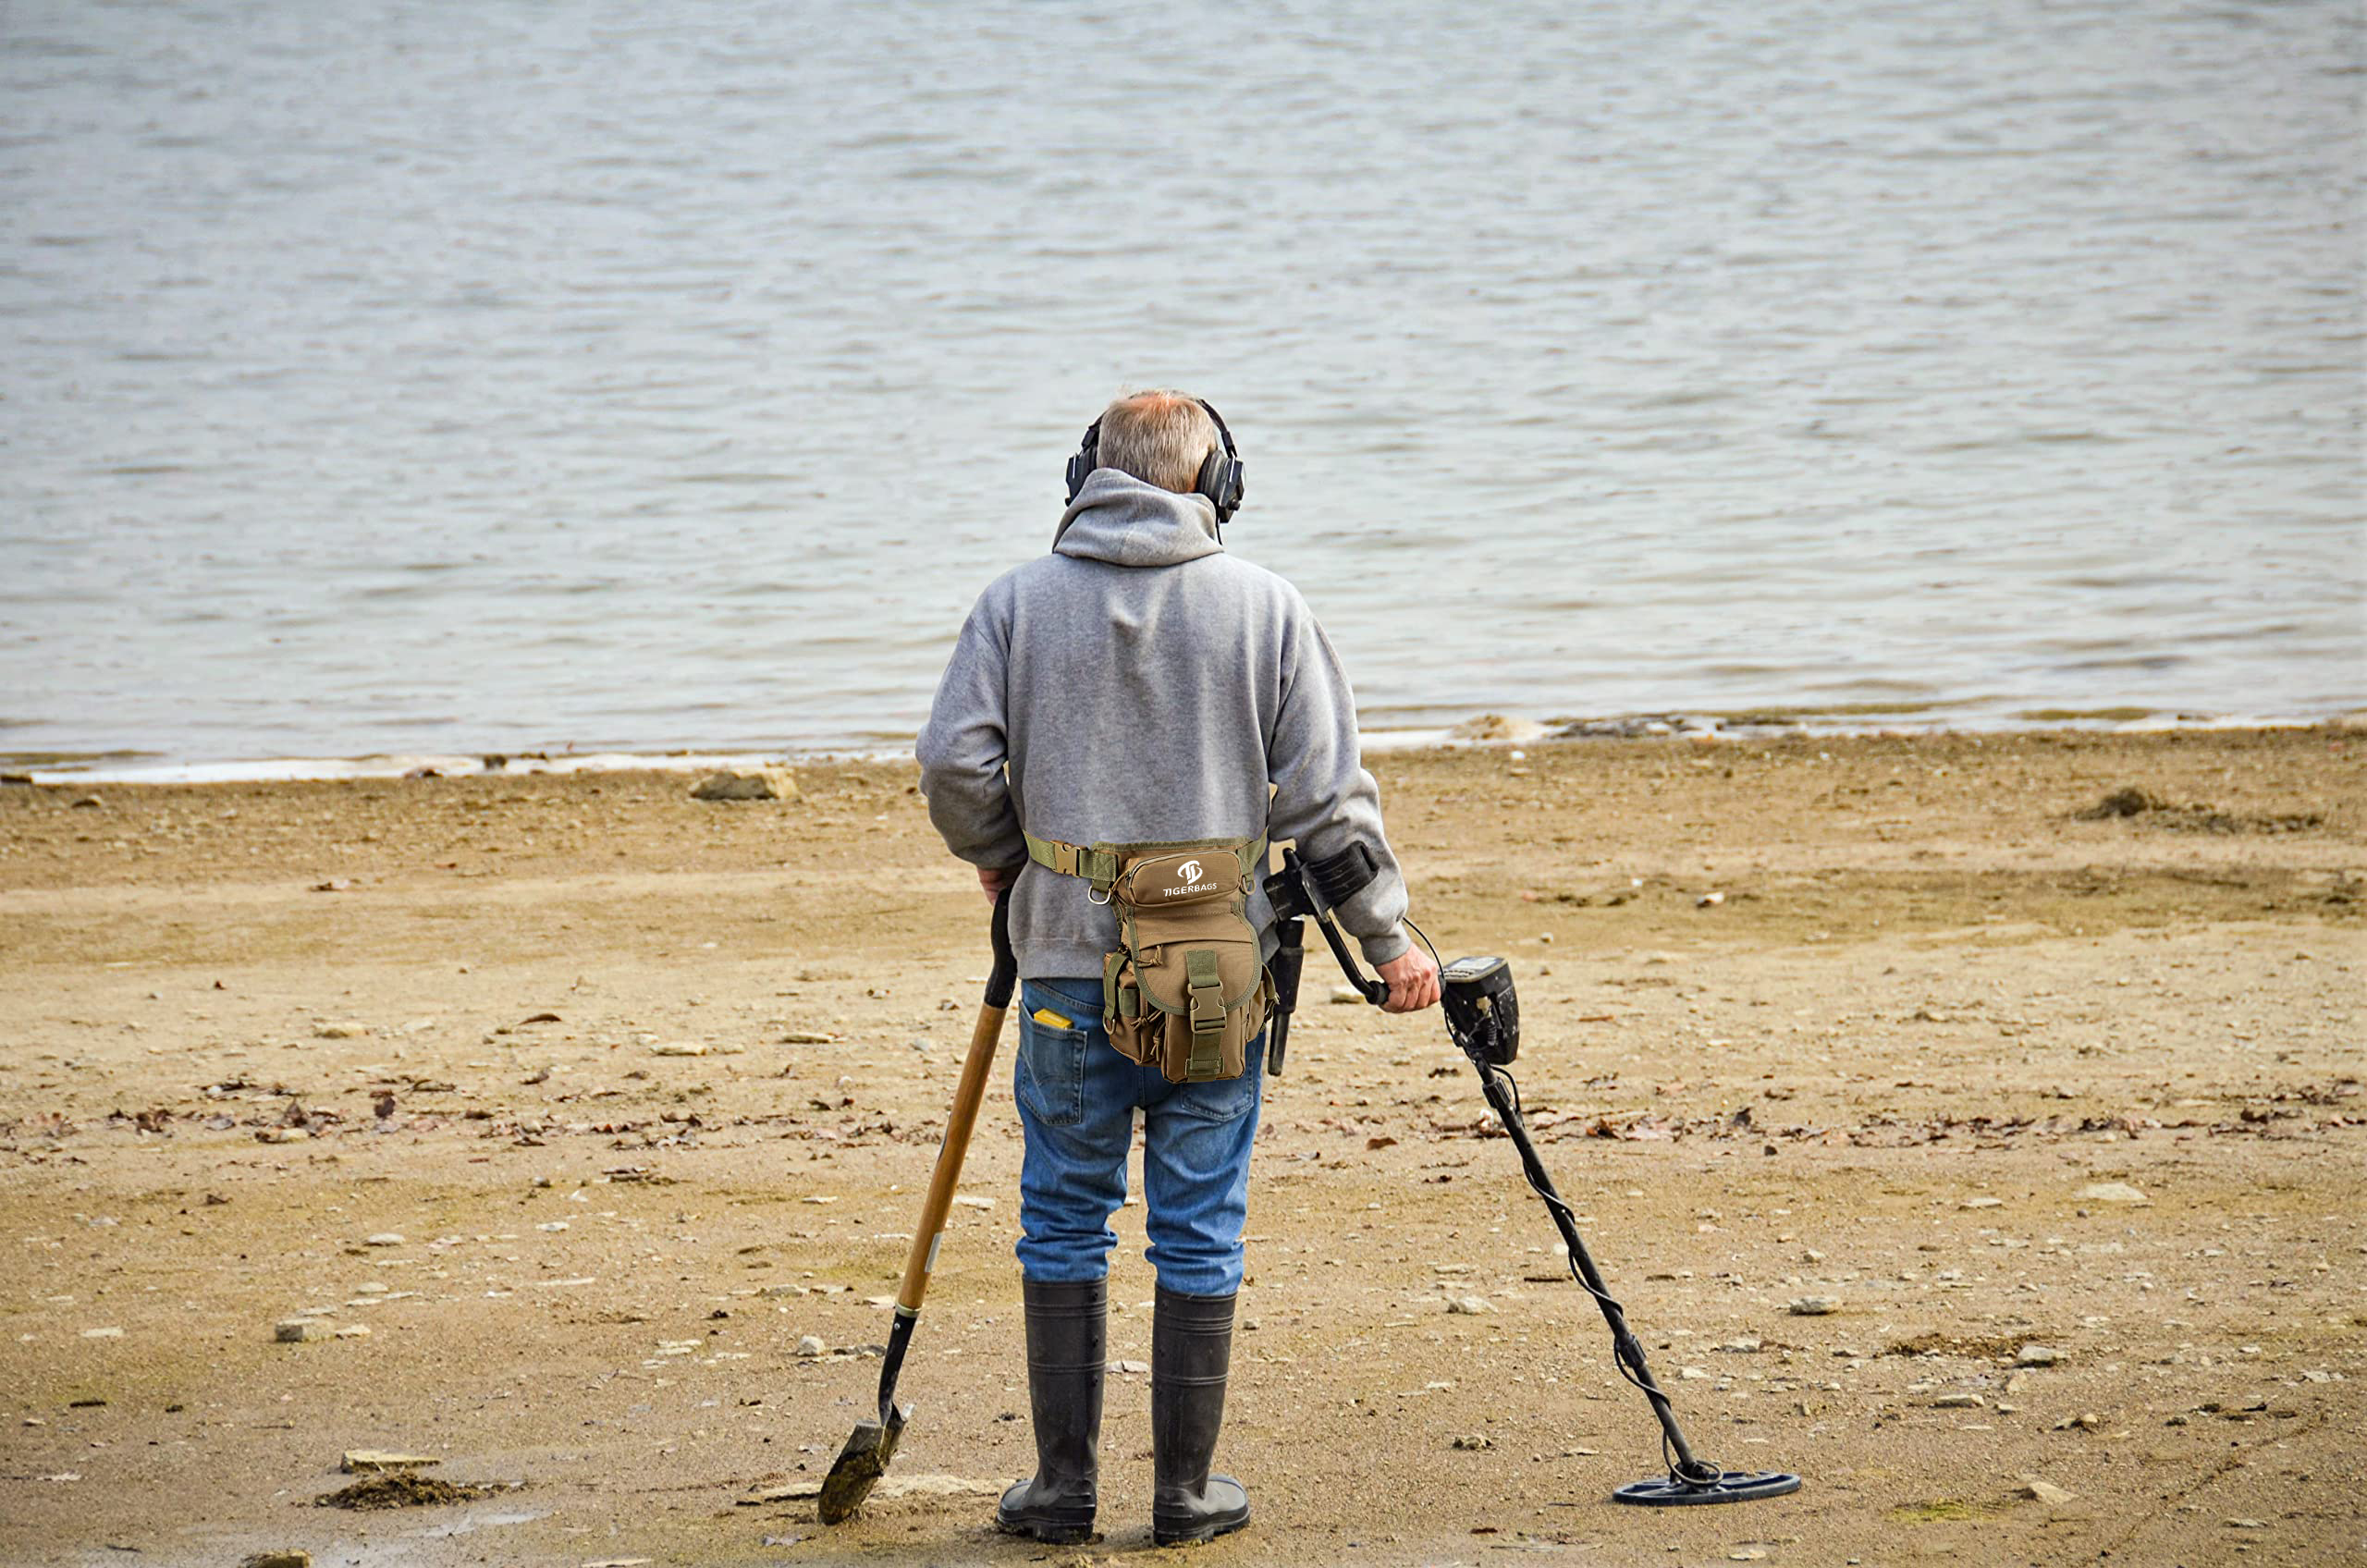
[{"x": 1077, "y": 1098}]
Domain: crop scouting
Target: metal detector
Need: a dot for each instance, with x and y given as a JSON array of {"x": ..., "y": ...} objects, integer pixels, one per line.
[{"x": 1483, "y": 1018}]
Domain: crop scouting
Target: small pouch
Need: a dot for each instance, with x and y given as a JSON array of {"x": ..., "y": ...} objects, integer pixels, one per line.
[{"x": 1187, "y": 989}]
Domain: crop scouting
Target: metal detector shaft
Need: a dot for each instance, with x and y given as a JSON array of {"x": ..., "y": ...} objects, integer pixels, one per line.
[{"x": 1625, "y": 1345}]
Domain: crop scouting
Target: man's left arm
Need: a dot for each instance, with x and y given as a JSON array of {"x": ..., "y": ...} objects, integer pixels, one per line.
[{"x": 963, "y": 749}]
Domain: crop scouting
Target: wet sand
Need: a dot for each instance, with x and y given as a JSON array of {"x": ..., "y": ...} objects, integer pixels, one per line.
[{"x": 1983, "y": 1073}]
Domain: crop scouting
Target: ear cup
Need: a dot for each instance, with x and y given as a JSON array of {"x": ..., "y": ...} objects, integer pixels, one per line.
[
  {"x": 1221, "y": 477},
  {"x": 1087, "y": 458}
]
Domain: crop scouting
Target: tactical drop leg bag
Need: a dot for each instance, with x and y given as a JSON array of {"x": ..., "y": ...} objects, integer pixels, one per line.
[{"x": 1186, "y": 989}]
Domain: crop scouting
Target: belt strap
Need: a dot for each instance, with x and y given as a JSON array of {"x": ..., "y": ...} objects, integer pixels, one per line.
[
  {"x": 1206, "y": 993},
  {"x": 1101, "y": 864}
]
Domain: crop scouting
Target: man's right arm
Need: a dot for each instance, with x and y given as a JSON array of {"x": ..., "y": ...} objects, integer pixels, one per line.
[{"x": 964, "y": 748}]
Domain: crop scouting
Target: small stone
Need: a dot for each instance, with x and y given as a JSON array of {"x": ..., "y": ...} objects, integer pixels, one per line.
[
  {"x": 370, "y": 1461},
  {"x": 299, "y": 1330},
  {"x": 1709, "y": 901},
  {"x": 339, "y": 1029},
  {"x": 805, "y": 1037},
  {"x": 1692, "y": 1374},
  {"x": 1130, "y": 1368},
  {"x": 103, "y": 1333},
  {"x": 812, "y": 1345},
  {"x": 2112, "y": 1192},
  {"x": 2247, "y": 1524},
  {"x": 1959, "y": 1401},
  {"x": 354, "y": 1331},
  {"x": 1473, "y": 1442},
  {"x": 1346, "y": 995},
  {"x": 1748, "y": 1554},
  {"x": 769, "y": 784},
  {"x": 1470, "y": 1305},
  {"x": 679, "y": 1048},
  {"x": 384, "y": 1239},
  {"x": 277, "y": 1560},
  {"x": 1813, "y": 1306},
  {"x": 966, "y": 1201},
  {"x": 2037, "y": 1355},
  {"x": 2047, "y": 1492},
  {"x": 282, "y": 1135},
  {"x": 1981, "y": 1202}
]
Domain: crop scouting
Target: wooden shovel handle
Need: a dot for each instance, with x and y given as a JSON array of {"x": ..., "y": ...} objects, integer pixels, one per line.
[{"x": 967, "y": 1096}]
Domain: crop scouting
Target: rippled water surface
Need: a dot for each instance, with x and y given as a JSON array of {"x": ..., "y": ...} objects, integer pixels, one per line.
[{"x": 444, "y": 376}]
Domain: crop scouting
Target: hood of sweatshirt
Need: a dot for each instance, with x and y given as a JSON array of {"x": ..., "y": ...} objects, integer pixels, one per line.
[{"x": 1129, "y": 521}]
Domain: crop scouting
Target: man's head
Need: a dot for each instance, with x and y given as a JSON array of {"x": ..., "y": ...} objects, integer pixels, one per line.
[{"x": 1161, "y": 437}]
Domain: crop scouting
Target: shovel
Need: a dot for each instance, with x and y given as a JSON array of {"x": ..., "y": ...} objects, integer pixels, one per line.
[{"x": 873, "y": 1444}]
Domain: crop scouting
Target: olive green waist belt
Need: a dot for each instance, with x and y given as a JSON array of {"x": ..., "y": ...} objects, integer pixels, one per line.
[{"x": 1102, "y": 864}]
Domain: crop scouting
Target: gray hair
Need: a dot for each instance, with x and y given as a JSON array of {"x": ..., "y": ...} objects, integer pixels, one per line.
[{"x": 1161, "y": 437}]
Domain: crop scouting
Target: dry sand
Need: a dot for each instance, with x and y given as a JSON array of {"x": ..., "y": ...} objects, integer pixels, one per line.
[{"x": 391, "y": 1056}]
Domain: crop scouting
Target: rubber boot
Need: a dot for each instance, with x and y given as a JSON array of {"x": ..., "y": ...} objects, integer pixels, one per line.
[
  {"x": 1191, "y": 1352},
  {"x": 1067, "y": 1349}
]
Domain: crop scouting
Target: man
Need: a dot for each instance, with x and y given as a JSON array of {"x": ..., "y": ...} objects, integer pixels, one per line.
[{"x": 1139, "y": 685}]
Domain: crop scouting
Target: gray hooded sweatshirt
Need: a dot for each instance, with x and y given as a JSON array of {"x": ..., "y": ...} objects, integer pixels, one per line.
[{"x": 1139, "y": 685}]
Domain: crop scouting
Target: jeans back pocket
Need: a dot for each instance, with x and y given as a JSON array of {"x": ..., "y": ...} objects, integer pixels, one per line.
[{"x": 1051, "y": 1058}]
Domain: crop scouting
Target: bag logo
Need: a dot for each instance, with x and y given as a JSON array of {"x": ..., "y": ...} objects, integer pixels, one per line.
[{"x": 1189, "y": 871}]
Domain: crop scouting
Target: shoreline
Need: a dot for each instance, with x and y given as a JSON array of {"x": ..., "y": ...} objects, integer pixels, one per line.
[{"x": 1490, "y": 730}]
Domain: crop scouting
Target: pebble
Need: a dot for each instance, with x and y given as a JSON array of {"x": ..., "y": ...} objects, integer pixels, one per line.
[
  {"x": 966, "y": 1201},
  {"x": 2037, "y": 1355},
  {"x": 384, "y": 1239},
  {"x": 339, "y": 1029},
  {"x": 103, "y": 1333},
  {"x": 679, "y": 1048},
  {"x": 1813, "y": 1306},
  {"x": 1959, "y": 1401},
  {"x": 1470, "y": 1305},
  {"x": 1346, "y": 994},
  {"x": 1131, "y": 1368},
  {"x": 299, "y": 1330},
  {"x": 2112, "y": 1192},
  {"x": 354, "y": 1331},
  {"x": 2047, "y": 1492},
  {"x": 771, "y": 784},
  {"x": 1474, "y": 1441},
  {"x": 1982, "y": 1203},
  {"x": 2247, "y": 1524},
  {"x": 812, "y": 1345},
  {"x": 282, "y": 1135},
  {"x": 370, "y": 1461},
  {"x": 805, "y": 1037},
  {"x": 277, "y": 1560}
]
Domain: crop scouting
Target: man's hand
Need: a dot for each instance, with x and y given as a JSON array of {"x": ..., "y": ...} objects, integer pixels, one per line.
[
  {"x": 995, "y": 878},
  {"x": 1413, "y": 977}
]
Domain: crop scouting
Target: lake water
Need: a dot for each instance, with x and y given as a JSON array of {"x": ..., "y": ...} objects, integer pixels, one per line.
[{"x": 444, "y": 377}]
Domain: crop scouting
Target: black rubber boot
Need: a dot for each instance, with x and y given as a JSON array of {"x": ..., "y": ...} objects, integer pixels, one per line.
[
  {"x": 1067, "y": 1346},
  {"x": 1191, "y": 1352}
]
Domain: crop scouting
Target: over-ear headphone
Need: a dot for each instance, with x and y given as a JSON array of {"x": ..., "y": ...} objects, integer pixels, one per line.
[{"x": 1220, "y": 474}]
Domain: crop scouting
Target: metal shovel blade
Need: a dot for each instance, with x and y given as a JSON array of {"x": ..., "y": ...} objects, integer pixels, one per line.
[{"x": 861, "y": 1463}]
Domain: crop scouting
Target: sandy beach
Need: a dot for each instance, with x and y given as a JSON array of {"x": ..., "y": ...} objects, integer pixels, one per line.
[{"x": 1994, "y": 1162}]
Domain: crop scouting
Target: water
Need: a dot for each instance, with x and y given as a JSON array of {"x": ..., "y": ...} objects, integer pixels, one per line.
[{"x": 458, "y": 378}]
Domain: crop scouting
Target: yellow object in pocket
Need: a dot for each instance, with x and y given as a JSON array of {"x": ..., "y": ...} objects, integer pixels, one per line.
[{"x": 1049, "y": 1019}]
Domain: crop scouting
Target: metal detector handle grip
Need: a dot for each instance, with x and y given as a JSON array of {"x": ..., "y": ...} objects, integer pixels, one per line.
[{"x": 1375, "y": 991}]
